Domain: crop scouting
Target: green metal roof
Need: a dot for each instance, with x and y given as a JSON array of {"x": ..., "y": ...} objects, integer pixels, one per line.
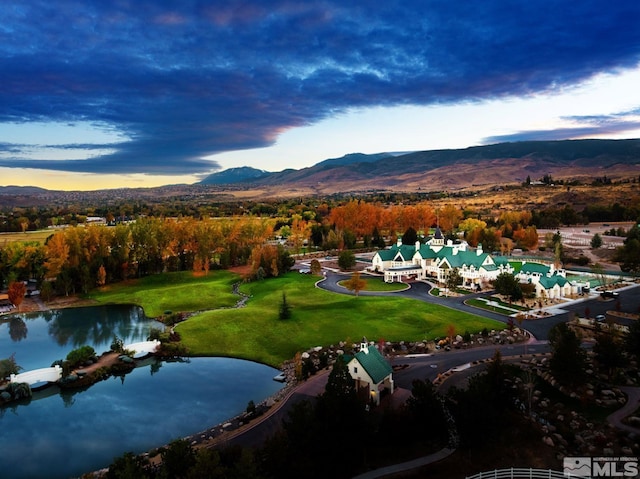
[
  {"x": 374, "y": 364},
  {"x": 535, "y": 268}
]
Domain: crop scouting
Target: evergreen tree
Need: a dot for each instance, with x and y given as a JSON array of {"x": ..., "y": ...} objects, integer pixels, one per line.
[
  {"x": 285, "y": 308},
  {"x": 568, "y": 360}
]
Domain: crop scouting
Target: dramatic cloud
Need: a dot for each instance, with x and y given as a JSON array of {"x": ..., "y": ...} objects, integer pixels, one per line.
[
  {"x": 186, "y": 79},
  {"x": 588, "y": 126}
]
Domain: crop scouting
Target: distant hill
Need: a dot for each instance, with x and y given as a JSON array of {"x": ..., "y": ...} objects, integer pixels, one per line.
[
  {"x": 233, "y": 175},
  {"x": 353, "y": 158},
  {"x": 432, "y": 170},
  {"x": 21, "y": 190},
  {"x": 475, "y": 168}
]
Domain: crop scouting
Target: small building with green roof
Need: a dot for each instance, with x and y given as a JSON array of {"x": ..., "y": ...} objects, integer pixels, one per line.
[{"x": 370, "y": 370}]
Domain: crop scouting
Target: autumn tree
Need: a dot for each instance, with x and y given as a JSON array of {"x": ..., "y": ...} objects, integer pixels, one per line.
[
  {"x": 16, "y": 292},
  {"x": 449, "y": 217},
  {"x": 102, "y": 276},
  {"x": 316, "y": 267},
  {"x": 355, "y": 283},
  {"x": 57, "y": 252}
]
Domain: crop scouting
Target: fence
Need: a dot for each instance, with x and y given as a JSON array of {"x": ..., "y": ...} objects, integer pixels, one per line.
[{"x": 521, "y": 473}]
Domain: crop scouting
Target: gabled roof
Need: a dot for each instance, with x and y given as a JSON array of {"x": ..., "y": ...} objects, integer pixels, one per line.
[
  {"x": 469, "y": 258},
  {"x": 552, "y": 281},
  {"x": 407, "y": 252},
  {"x": 529, "y": 268},
  {"x": 374, "y": 364}
]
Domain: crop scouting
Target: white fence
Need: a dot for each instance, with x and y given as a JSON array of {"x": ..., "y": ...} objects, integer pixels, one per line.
[
  {"x": 50, "y": 375},
  {"x": 521, "y": 473}
]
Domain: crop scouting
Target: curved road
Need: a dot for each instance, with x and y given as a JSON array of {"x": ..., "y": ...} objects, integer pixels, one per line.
[{"x": 429, "y": 366}]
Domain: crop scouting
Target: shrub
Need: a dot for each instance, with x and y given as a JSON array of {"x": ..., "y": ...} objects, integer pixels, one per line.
[
  {"x": 19, "y": 390},
  {"x": 80, "y": 355},
  {"x": 8, "y": 367},
  {"x": 346, "y": 260}
]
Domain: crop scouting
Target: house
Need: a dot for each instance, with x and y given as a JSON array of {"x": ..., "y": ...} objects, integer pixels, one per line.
[
  {"x": 436, "y": 258},
  {"x": 370, "y": 370},
  {"x": 549, "y": 282}
]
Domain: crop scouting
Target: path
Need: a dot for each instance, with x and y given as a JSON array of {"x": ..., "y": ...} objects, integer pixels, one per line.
[{"x": 632, "y": 404}]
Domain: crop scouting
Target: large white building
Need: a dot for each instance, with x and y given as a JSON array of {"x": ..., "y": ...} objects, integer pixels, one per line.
[{"x": 435, "y": 259}]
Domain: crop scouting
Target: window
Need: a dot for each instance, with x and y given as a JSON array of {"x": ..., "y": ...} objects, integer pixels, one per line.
[{"x": 355, "y": 370}]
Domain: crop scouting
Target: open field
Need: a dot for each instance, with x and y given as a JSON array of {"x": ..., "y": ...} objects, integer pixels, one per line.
[
  {"x": 40, "y": 236},
  {"x": 177, "y": 292},
  {"x": 319, "y": 318}
]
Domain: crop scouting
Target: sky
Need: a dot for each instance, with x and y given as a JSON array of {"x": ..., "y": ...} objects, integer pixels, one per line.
[{"x": 138, "y": 93}]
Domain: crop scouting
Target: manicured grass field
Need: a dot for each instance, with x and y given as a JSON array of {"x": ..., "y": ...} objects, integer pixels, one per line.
[
  {"x": 378, "y": 285},
  {"x": 319, "y": 318},
  {"x": 40, "y": 236},
  {"x": 175, "y": 292}
]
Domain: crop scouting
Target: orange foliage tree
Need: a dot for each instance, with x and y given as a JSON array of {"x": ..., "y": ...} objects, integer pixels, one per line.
[{"x": 16, "y": 292}]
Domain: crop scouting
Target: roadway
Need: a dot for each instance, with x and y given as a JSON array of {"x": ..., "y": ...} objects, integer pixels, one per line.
[
  {"x": 629, "y": 298},
  {"x": 427, "y": 366}
]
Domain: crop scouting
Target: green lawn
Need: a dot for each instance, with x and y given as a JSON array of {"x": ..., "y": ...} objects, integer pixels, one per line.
[
  {"x": 378, "y": 284},
  {"x": 319, "y": 318},
  {"x": 173, "y": 292}
]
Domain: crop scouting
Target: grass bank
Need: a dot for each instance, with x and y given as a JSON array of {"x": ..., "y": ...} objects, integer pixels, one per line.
[
  {"x": 319, "y": 318},
  {"x": 255, "y": 332},
  {"x": 182, "y": 291}
]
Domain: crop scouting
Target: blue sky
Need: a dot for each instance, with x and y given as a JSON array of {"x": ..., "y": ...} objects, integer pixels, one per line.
[{"x": 121, "y": 93}]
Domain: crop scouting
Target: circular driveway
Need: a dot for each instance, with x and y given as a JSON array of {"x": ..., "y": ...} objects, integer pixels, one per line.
[{"x": 629, "y": 300}]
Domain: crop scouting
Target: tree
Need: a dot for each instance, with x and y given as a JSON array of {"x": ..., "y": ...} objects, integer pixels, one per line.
[
  {"x": 102, "y": 276},
  {"x": 177, "y": 458},
  {"x": 128, "y": 466},
  {"x": 8, "y": 366},
  {"x": 426, "y": 408},
  {"x": 629, "y": 254},
  {"x": 454, "y": 279},
  {"x": 346, "y": 260},
  {"x": 596, "y": 241},
  {"x": 355, "y": 283},
  {"x": 608, "y": 351},
  {"x": 507, "y": 285},
  {"x": 16, "y": 292},
  {"x": 568, "y": 360},
  {"x": 285, "y": 308},
  {"x": 316, "y": 267},
  {"x": 410, "y": 236},
  {"x": 632, "y": 339}
]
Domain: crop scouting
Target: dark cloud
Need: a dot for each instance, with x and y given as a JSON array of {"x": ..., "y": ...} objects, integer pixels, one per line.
[
  {"x": 593, "y": 125},
  {"x": 187, "y": 79}
]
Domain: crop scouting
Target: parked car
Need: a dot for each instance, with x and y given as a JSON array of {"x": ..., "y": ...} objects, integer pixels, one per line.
[
  {"x": 600, "y": 318},
  {"x": 609, "y": 294}
]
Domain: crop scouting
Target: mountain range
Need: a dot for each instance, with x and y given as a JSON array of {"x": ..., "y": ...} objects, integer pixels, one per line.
[
  {"x": 473, "y": 168},
  {"x": 435, "y": 170}
]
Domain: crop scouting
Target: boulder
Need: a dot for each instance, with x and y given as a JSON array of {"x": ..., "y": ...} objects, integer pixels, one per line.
[{"x": 548, "y": 441}]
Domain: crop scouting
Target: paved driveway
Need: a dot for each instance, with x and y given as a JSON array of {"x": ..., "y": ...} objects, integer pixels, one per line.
[{"x": 629, "y": 301}]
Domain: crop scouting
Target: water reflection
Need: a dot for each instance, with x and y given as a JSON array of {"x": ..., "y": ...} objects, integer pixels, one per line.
[
  {"x": 65, "y": 433},
  {"x": 17, "y": 329},
  {"x": 38, "y": 339}
]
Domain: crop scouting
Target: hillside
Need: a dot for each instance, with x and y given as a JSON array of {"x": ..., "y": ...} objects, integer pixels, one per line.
[
  {"x": 474, "y": 167},
  {"x": 479, "y": 168}
]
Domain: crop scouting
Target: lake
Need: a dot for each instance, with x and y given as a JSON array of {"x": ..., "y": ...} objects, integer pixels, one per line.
[{"x": 60, "y": 434}]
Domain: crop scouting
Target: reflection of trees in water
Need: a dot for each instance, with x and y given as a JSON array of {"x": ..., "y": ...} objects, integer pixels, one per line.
[
  {"x": 97, "y": 325},
  {"x": 17, "y": 329}
]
